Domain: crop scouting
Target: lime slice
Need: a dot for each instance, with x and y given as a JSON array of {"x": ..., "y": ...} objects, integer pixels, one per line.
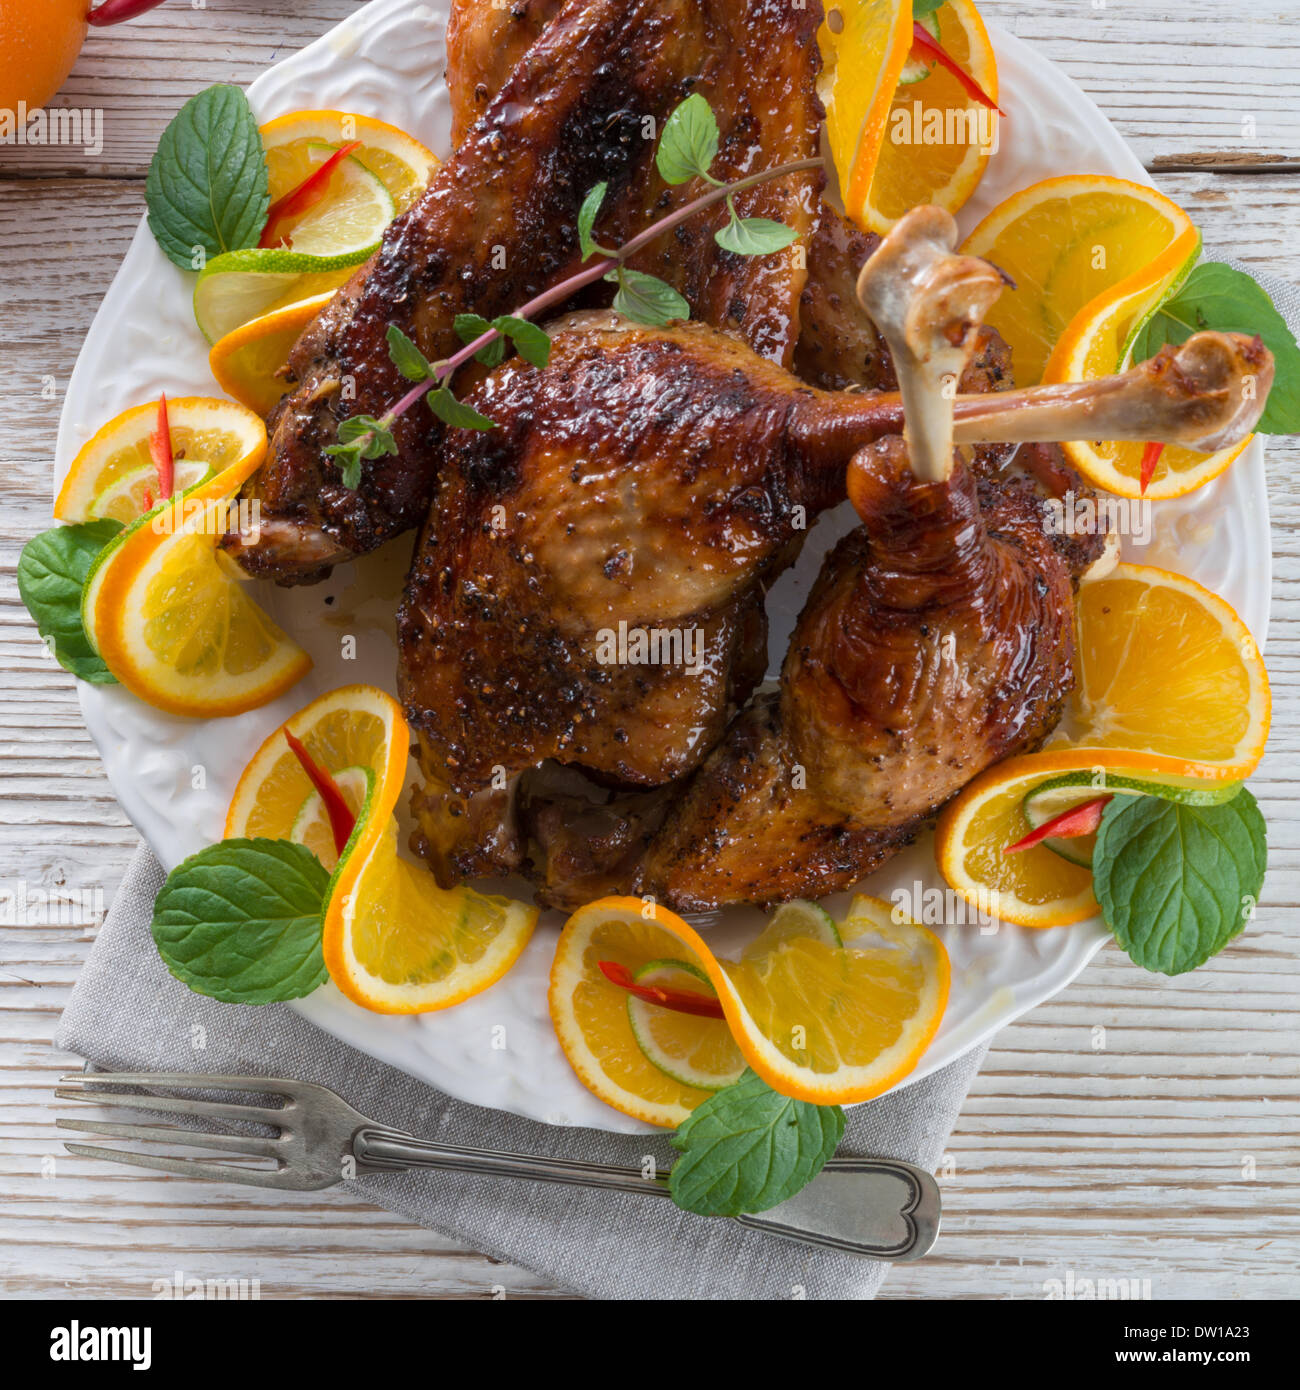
[
  {"x": 1059, "y": 794},
  {"x": 311, "y": 826},
  {"x": 241, "y": 286},
  {"x": 791, "y": 921},
  {"x": 917, "y": 69},
  {"x": 696, "y": 1051},
  {"x": 124, "y": 499},
  {"x": 351, "y": 217},
  {"x": 1171, "y": 289}
]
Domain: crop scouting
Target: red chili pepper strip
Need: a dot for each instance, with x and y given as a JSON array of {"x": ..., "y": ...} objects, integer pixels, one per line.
[
  {"x": 160, "y": 450},
  {"x": 923, "y": 40},
  {"x": 342, "y": 821},
  {"x": 298, "y": 200},
  {"x": 1078, "y": 820},
  {"x": 115, "y": 11},
  {"x": 682, "y": 1001},
  {"x": 1150, "y": 457}
]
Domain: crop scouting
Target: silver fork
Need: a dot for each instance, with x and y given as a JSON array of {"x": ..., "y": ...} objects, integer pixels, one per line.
[{"x": 878, "y": 1207}]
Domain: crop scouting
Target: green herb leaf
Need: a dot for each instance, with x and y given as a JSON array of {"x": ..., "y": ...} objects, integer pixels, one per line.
[
  {"x": 755, "y": 236},
  {"x": 748, "y": 1148},
  {"x": 207, "y": 184},
  {"x": 922, "y": 8},
  {"x": 469, "y": 327},
  {"x": 240, "y": 921},
  {"x": 1219, "y": 297},
  {"x": 361, "y": 437},
  {"x": 531, "y": 342},
  {"x": 52, "y": 571},
  {"x": 587, "y": 214},
  {"x": 647, "y": 299},
  {"x": 456, "y": 413},
  {"x": 689, "y": 143},
  {"x": 407, "y": 358},
  {"x": 1177, "y": 882}
]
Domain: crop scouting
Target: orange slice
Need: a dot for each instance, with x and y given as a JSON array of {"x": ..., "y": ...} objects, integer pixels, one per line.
[
  {"x": 350, "y": 732},
  {"x": 1094, "y": 345},
  {"x": 1171, "y": 689},
  {"x": 394, "y": 941},
  {"x": 819, "y": 1021},
  {"x": 169, "y": 614},
  {"x": 399, "y": 161},
  {"x": 114, "y": 474},
  {"x": 249, "y": 363},
  {"x": 1168, "y": 673},
  {"x": 937, "y": 139},
  {"x": 864, "y": 45},
  {"x": 1067, "y": 243}
]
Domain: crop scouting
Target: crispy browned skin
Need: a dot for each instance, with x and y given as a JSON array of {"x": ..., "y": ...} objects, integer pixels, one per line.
[
  {"x": 485, "y": 40},
  {"x": 937, "y": 641},
  {"x": 497, "y": 225},
  {"x": 654, "y": 477}
]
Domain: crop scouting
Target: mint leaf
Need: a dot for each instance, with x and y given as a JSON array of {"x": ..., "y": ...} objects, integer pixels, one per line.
[
  {"x": 207, "y": 184},
  {"x": 1219, "y": 297},
  {"x": 587, "y": 214},
  {"x": 922, "y": 8},
  {"x": 532, "y": 343},
  {"x": 52, "y": 572},
  {"x": 689, "y": 143},
  {"x": 647, "y": 299},
  {"x": 407, "y": 358},
  {"x": 360, "y": 437},
  {"x": 748, "y": 1148},
  {"x": 456, "y": 413},
  {"x": 755, "y": 236},
  {"x": 1175, "y": 882},
  {"x": 240, "y": 921},
  {"x": 470, "y": 327}
]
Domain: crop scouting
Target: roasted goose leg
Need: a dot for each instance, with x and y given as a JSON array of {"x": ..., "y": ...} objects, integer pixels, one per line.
[{"x": 497, "y": 225}]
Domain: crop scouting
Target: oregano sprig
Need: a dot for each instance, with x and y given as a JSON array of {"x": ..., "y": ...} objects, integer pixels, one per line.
[{"x": 687, "y": 149}]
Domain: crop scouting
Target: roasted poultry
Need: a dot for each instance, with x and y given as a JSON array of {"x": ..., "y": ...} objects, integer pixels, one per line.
[
  {"x": 658, "y": 479},
  {"x": 497, "y": 225}
]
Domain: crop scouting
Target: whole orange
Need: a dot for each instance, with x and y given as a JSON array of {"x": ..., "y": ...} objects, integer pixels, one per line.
[{"x": 39, "y": 42}]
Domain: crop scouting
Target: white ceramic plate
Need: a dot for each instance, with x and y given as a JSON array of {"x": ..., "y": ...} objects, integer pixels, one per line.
[{"x": 175, "y": 776}]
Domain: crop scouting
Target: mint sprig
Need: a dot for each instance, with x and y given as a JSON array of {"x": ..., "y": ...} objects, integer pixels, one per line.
[
  {"x": 207, "y": 189},
  {"x": 1177, "y": 882},
  {"x": 748, "y": 1148},
  {"x": 240, "y": 921},
  {"x": 361, "y": 438},
  {"x": 1220, "y": 297},
  {"x": 52, "y": 572}
]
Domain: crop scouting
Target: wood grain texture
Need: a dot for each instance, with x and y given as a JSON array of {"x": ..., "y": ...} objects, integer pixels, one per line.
[{"x": 1113, "y": 1132}]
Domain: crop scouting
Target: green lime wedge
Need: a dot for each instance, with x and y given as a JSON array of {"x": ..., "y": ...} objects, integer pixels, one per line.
[
  {"x": 1168, "y": 293},
  {"x": 1059, "y": 794},
  {"x": 691, "y": 1050},
  {"x": 240, "y": 286},
  {"x": 917, "y": 69},
  {"x": 793, "y": 920}
]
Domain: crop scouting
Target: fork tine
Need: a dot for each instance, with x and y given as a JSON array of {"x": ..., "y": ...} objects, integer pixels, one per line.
[
  {"x": 271, "y": 1085},
  {"x": 168, "y": 1134},
  {"x": 214, "y": 1109},
  {"x": 191, "y": 1168}
]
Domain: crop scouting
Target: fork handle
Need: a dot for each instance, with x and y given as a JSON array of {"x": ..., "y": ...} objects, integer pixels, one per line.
[{"x": 878, "y": 1207}]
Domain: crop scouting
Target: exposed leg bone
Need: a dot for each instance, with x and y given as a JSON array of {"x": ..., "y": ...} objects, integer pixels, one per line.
[
  {"x": 1207, "y": 394},
  {"x": 928, "y": 303}
]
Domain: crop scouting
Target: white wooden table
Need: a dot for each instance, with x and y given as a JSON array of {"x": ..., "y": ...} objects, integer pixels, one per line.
[{"x": 1131, "y": 1161}]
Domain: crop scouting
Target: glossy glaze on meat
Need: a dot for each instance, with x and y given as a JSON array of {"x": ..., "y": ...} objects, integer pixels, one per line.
[
  {"x": 657, "y": 478},
  {"x": 937, "y": 641},
  {"x": 497, "y": 225}
]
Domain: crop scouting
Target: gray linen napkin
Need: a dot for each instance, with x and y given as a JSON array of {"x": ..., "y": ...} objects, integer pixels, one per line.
[{"x": 128, "y": 1013}]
